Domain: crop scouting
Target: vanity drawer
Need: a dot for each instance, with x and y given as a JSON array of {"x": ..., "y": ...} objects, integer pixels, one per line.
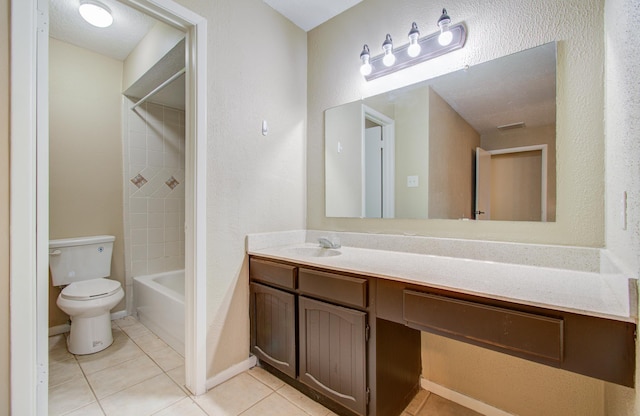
[
  {"x": 277, "y": 274},
  {"x": 333, "y": 287},
  {"x": 522, "y": 333}
]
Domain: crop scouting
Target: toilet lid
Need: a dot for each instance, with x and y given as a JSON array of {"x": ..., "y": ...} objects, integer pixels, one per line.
[{"x": 90, "y": 289}]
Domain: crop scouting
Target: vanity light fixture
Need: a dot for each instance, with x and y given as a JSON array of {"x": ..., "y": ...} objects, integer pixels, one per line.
[
  {"x": 95, "y": 13},
  {"x": 387, "y": 46},
  {"x": 419, "y": 49}
]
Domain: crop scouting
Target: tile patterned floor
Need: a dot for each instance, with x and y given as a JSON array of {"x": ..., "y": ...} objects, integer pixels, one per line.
[{"x": 140, "y": 375}]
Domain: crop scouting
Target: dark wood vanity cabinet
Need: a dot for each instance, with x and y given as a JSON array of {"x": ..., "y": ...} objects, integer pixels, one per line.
[
  {"x": 355, "y": 340},
  {"x": 318, "y": 330}
]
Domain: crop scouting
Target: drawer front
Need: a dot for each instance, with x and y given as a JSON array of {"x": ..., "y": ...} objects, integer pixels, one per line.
[
  {"x": 333, "y": 287},
  {"x": 523, "y": 333},
  {"x": 277, "y": 274}
]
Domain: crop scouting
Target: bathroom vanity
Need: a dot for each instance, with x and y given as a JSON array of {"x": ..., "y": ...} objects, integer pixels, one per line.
[{"x": 344, "y": 325}]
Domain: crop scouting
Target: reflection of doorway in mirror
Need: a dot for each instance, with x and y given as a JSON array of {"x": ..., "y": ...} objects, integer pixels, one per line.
[
  {"x": 378, "y": 164},
  {"x": 373, "y": 171},
  {"x": 511, "y": 184}
]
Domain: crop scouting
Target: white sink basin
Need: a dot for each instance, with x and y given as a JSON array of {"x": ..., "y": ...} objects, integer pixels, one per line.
[{"x": 313, "y": 252}]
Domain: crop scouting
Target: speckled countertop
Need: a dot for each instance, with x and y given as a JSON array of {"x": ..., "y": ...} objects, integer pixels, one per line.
[{"x": 594, "y": 293}]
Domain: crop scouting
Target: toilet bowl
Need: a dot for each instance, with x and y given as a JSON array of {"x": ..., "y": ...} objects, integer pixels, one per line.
[
  {"x": 88, "y": 303},
  {"x": 81, "y": 266}
]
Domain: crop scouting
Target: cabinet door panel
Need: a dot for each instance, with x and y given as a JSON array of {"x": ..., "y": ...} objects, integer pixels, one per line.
[
  {"x": 333, "y": 352},
  {"x": 273, "y": 328}
]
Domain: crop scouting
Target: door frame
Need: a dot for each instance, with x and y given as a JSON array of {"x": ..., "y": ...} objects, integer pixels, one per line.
[
  {"x": 388, "y": 160},
  {"x": 29, "y": 202}
]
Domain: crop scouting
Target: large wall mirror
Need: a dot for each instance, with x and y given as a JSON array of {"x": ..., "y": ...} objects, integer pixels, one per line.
[{"x": 478, "y": 143}]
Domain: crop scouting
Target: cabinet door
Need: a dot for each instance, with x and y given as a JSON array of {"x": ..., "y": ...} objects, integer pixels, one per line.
[
  {"x": 273, "y": 327},
  {"x": 333, "y": 352}
]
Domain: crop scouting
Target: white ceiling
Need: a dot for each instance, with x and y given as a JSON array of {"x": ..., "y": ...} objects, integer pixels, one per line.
[
  {"x": 116, "y": 41},
  {"x": 308, "y": 14}
]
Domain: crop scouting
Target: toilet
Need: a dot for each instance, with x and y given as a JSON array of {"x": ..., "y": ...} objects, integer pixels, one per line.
[{"x": 81, "y": 266}]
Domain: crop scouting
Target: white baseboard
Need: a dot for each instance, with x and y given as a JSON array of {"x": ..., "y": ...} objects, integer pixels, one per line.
[
  {"x": 61, "y": 329},
  {"x": 119, "y": 315},
  {"x": 231, "y": 372},
  {"x": 461, "y": 399}
]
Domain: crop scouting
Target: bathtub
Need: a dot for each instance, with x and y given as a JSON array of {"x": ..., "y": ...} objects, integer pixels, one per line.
[{"x": 158, "y": 300}]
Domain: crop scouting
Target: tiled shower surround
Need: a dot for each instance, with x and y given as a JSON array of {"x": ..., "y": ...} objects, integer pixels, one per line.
[{"x": 154, "y": 140}]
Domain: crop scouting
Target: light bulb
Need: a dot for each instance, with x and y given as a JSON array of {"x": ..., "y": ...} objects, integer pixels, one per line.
[
  {"x": 414, "y": 47},
  {"x": 389, "y": 58},
  {"x": 365, "y": 68},
  {"x": 445, "y": 36},
  {"x": 95, "y": 13}
]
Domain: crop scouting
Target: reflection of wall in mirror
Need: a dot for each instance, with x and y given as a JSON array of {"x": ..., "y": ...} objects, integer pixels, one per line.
[
  {"x": 528, "y": 136},
  {"x": 343, "y": 160},
  {"x": 412, "y": 154},
  {"x": 452, "y": 144}
]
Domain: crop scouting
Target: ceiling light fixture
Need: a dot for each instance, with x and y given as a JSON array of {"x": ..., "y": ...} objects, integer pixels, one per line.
[
  {"x": 419, "y": 49},
  {"x": 95, "y": 13}
]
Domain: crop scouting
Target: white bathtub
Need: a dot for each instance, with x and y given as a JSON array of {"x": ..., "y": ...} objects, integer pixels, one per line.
[{"x": 159, "y": 303}]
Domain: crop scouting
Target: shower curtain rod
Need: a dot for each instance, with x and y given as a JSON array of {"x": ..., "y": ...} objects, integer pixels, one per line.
[{"x": 158, "y": 88}]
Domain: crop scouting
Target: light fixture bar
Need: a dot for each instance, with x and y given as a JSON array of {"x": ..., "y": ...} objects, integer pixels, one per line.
[{"x": 429, "y": 48}]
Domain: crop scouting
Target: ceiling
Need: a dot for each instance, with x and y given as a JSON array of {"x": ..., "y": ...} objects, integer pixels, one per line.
[
  {"x": 116, "y": 41},
  {"x": 307, "y": 14},
  {"x": 130, "y": 26}
]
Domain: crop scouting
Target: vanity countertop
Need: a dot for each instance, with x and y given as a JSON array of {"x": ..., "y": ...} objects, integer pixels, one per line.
[{"x": 605, "y": 295}]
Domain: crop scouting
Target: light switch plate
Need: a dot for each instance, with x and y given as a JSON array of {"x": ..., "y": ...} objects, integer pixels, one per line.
[{"x": 412, "y": 181}]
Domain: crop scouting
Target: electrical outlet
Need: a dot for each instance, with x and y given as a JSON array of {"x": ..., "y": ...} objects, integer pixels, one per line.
[{"x": 412, "y": 181}]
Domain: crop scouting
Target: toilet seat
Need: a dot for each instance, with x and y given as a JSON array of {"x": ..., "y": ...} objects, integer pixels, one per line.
[{"x": 90, "y": 289}]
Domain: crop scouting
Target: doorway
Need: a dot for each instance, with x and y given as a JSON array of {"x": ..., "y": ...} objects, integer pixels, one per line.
[
  {"x": 378, "y": 164},
  {"x": 511, "y": 184},
  {"x": 30, "y": 197}
]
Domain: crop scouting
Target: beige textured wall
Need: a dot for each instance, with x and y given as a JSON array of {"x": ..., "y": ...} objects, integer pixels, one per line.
[
  {"x": 255, "y": 183},
  {"x": 4, "y": 208},
  {"x": 85, "y": 139},
  {"x": 334, "y": 79},
  {"x": 622, "y": 121},
  {"x": 577, "y": 25},
  {"x": 514, "y": 385},
  {"x": 452, "y": 147}
]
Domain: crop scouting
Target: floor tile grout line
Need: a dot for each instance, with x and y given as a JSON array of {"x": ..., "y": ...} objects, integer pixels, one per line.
[
  {"x": 280, "y": 394},
  {"x": 154, "y": 362},
  {"x": 295, "y": 404},
  {"x": 95, "y": 397},
  {"x": 256, "y": 403},
  {"x": 187, "y": 394}
]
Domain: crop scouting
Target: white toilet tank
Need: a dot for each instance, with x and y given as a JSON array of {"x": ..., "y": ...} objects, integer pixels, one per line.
[{"x": 82, "y": 258}]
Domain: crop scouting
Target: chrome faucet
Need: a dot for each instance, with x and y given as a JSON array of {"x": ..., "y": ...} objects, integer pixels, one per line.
[{"x": 326, "y": 243}]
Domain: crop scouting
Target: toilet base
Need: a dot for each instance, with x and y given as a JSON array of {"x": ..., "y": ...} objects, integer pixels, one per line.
[{"x": 90, "y": 335}]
